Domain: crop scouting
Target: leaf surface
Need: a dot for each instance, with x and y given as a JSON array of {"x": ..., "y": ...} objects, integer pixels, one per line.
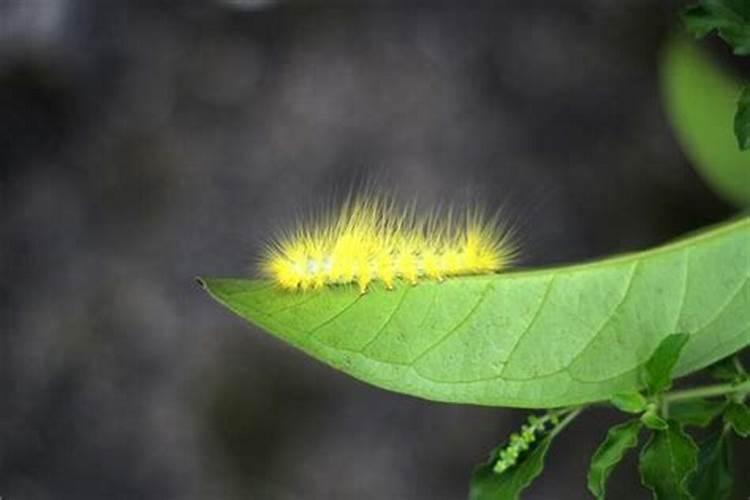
[
  {"x": 629, "y": 402},
  {"x": 713, "y": 479},
  {"x": 667, "y": 461},
  {"x": 619, "y": 440},
  {"x": 696, "y": 412},
  {"x": 738, "y": 416},
  {"x": 534, "y": 339},
  {"x": 658, "y": 372}
]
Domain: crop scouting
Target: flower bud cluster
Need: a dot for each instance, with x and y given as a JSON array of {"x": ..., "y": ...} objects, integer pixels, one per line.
[{"x": 520, "y": 442}]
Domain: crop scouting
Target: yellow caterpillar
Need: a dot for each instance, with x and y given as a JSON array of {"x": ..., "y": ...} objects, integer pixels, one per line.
[{"x": 370, "y": 238}]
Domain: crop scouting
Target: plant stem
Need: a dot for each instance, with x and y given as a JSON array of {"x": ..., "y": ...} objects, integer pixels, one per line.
[
  {"x": 553, "y": 414},
  {"x": 568, "y": 419},
  {"x": 706, "y": 392}
]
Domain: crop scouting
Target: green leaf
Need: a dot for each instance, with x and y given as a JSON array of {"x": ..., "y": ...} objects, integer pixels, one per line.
[
  {"x": 713, "y": 478},
  {"x": 489, "y": 485},
  {"x": 535, "y": 339},
  {"x": 666, "y": 461},
  {"x": 738, "y": 416},
  {"x": 630, "y": 402},
  {"x": 658, "y": 372},
  {"x": 730, "y": 18},
  {"x": 696, "y": 412},
  {"x": 742, "y": 119},
  {"x": 701, "y": 103},
  {"x": 619, "y": 440},
  {"x": 653, "y": 421}
]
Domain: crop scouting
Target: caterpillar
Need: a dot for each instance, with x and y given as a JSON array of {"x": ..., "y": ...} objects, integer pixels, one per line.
[{"x": 370, "y": 238}]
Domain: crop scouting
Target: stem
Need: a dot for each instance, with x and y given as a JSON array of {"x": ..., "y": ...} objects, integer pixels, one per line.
[
  {"x": 553, "y": 414},
  {"x": 572, "y": 413},
  {"x": 707, "y": 392}
]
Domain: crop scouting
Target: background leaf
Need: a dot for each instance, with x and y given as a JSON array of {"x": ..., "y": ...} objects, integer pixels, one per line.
[
  {"x": 488, "y": 485},
  {"x": 658, "y": 372},
  {"x": 666, "y": 461},
  {"x": 701, "y": 102},
  {"x": 696, "y": 412},
  {"x": 713, "y": 478},
  {"x": 730, "y": 18},
  {"x": 619, "y": 440},
  {"x": 545, "y": 338},
  {"x": 738, "y": 416}
]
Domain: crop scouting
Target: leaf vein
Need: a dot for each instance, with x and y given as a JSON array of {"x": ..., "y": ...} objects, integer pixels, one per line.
[
  {"x": 685, "y": 276},
  {"x": 387, "y": 321},
  {"x": 333, "y": 318},
  {"x": 724, "y": 306},
  {"x": 536, "y": 315},
  {"x": 626, "y": 291},
  {"x": 438, "y": 342}
]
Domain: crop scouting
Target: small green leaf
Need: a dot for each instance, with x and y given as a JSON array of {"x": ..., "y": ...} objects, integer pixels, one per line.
[
  {"x": 486, "y": 484},
  {"x": 696, "y": 412},
  {"x": 730, "y": 18},
  {"x": 619, "y": 440},
  {"x": 543, "y": 338},
  {"x": 742, "y": 120},
  {"x": 713, "y": 479},
  {"x": 630, "y": 402},
  {"x": 653, "y": 421},
  {"x": 666, "y": 462},
  {"x": 701, "y": 103},
  {"x": 738, "y": 416},
  {"x": 658, "y": 372}
]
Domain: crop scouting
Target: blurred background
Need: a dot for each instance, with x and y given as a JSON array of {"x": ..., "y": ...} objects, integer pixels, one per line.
[{"x": 144, "y": 143}]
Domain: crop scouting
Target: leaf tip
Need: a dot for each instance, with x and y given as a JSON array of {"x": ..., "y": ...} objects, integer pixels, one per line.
[{"x": 201, "y": 282}]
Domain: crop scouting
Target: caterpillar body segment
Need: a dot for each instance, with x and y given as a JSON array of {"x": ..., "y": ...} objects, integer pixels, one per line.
[{"x": 370, "y": 238}]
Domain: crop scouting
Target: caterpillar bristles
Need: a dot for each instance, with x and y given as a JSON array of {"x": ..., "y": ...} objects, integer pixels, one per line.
[{"x": 370, "y": 238}]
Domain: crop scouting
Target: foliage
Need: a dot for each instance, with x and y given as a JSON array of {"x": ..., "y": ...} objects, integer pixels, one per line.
[
  {"x": 701, "y": 101},
  {"x": 616, "y": 332},
  {"x": 713, "y": 476},
  {"x": 731, "y": 20},
  {"x": 619, "y": 440},
  {"x": 666, "y": 462}
]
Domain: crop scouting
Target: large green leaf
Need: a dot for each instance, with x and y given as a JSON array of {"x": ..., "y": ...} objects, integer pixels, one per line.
[
  {"x": 534, "y": 339},
  {"x": 701, "y": 103}
]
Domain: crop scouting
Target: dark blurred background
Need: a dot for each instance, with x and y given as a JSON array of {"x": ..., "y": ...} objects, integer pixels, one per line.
[{"x": 143, "y": 143}]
